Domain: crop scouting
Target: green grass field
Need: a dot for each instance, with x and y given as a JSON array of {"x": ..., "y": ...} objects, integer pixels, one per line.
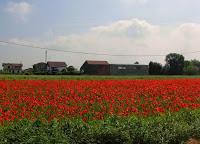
[{"x": 85, "y": 77}]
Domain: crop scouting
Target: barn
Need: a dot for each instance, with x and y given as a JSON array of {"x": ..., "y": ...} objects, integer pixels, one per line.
[
  {"x": 128, "y": 69},
  {"x": 95, "y": 68},
  {"x": 54, "y": 67}
]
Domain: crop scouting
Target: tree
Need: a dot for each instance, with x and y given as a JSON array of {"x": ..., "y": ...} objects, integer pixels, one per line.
[
  {"x": 176, "y": 63},
  {"x": 187, "y": 63},
  {"x": 40, "y": 68},
  {"x": 190, "y": 69},
  {"x": 64, "y": 71},
  {"x": 197, "y": 64},
  {"x": 136, "y": 62},
  {"x": 28, "y": 71},
  {"x": 155, "y": 68},
  {"x": 71, "y": 69},
  {"x": 165, "y": 69}
]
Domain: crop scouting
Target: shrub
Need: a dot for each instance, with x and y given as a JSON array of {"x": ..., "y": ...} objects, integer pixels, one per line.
[
  {"x": 191, "y": 70},
  {"x": 170, "y": 128}
]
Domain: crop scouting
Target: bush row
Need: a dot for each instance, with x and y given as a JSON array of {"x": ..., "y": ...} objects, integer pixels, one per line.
[{"x": 169, "y": 128}]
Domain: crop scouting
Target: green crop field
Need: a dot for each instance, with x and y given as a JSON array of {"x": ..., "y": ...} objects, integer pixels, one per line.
[{"x": 85, "y": 77}]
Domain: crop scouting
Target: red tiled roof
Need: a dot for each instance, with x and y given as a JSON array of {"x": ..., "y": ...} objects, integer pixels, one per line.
[
  {"x": 56, "y": 64},
  {"x": 97, "y": 62},
  {"x": 13, "y": 64}
]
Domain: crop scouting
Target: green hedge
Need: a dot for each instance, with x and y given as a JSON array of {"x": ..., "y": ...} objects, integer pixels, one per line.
[{"x": 170, "y": 128}]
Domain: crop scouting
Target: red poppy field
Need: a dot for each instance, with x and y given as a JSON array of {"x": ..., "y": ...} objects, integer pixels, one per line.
[{"x": 95, "y": 99}]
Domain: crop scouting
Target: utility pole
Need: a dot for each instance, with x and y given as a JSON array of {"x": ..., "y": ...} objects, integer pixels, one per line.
[{"x": 45, "y": 56}]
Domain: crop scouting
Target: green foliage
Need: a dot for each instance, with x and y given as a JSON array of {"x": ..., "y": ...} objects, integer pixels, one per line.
[
  {"x": 176, "y": 63},
  {"x": 155, "y": 68},
  {"x": 32, "y": 132},
  {"x": 191, "y": 69},
  {"x": 70, "y": 69},
  {"x": 39, "y": 68},
  {"x": 86, "y": 77},
  {"x": 196, "y": 63},
  {"x": 5, "y": 72},
  {"x": 164, "y": 129},
  {"x": 28, "y": 71},
  {"x": 64, "y": 71}
]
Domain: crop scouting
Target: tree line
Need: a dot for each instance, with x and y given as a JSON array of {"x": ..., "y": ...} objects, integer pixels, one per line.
[{"x": 175, "y": 64}]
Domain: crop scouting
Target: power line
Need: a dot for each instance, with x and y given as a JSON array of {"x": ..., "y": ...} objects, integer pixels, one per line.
[
  {"x": 20, "y": 44},
  {"x": 80, "y": 52},
  {"x": 191, "y": 52},
  {"x": 76, "y": 52}
]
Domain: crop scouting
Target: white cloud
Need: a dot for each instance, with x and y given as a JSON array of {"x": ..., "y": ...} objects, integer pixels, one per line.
[
  {"x": 134, "y": 1},
  {"x": 126, "y": 28},
  {"x": 20, "y": 10},
  {"x": 135, "y": 37},
  {"x": 132, "y": 37}
]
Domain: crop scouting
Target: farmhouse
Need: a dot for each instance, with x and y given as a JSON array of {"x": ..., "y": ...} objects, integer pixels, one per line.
[
  {"x": 95, "y": 67},
  {"x": 128, "y": 69},
  {"x": 40, "y": 68},
  {"x": 55, "y": 67},
  {"x": 12, "y": 67}
]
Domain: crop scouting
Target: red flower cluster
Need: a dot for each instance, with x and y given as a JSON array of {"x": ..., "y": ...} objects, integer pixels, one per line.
[{"x": 94, "y": 99}]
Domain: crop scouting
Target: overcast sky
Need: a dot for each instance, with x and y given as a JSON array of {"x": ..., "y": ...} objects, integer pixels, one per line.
[{"x": 133, "y": 27}]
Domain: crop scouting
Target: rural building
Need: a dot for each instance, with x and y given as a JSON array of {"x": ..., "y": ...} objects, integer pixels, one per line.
[
  {"x": 128, "y": 69},
  {"x": 12, "y": 68},
  {"x": 40, "y": 68},
  {"x": 55, "y": 67},
  {"x": 95, "y": 68}
]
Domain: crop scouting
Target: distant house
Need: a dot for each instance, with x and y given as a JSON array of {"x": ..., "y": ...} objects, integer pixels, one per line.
[
  {"x": 40, "y": 68},
  {"x": 12, "y": 68},
  {"x": 55, "y": 67},
  {"x": 95, "y": 68},
  {"x": 128, "y": 69}
]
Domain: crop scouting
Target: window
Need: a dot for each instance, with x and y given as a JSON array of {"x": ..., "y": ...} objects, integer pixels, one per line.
[
  {"x": 134, "y": 68},
  {"x": 138, "y": 68},
  {"x": 121, "y": 68}
]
